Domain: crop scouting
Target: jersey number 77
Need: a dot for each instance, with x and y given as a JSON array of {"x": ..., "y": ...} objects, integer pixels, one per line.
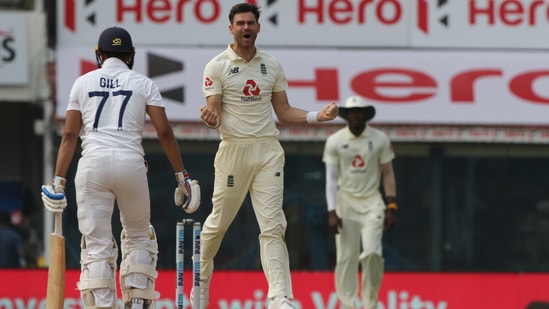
[{"x": 104, "y": 97}]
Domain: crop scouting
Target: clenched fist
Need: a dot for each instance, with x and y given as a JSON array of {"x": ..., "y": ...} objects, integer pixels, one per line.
[
  {"x": 329, "y": 112},
  {"x": 209, "y": 117}
]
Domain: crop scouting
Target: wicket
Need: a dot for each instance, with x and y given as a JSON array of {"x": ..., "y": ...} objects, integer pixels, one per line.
[{"x": 180, "y": 263}]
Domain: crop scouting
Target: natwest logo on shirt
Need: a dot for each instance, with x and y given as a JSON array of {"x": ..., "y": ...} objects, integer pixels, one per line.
[
  {"x": 251, "y": 88},
  {"x": 358, "y": 162},
  {"x": 208, "y": 82}
]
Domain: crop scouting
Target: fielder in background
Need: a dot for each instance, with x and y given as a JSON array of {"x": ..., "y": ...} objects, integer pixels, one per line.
[
  {"x": 242, "y": 86},
  {"x": 356, "y": 157},
  {"x": 11, "y": 243},
  {"x": 107, "y": 109}
]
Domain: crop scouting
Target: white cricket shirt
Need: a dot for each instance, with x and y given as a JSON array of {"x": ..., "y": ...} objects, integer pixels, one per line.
[
  {"x": 358, "y": 159},
  {"x": 247, "y": 89},
  {"x": 112, "y": 101}
]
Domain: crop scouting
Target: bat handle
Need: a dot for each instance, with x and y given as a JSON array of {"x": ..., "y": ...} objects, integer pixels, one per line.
[{"x": 58, "y": 228}]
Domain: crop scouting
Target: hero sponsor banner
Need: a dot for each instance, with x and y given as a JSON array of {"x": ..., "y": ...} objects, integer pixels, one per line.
[
  {"x": 312, "y": 290},
  {"x": 406, "y": 87},
  {"x": 14, "y": 62},
  {"x": 205, "y": 22},
  {"x": 481, "y": 23},
  {"x": 330, "y": 23}
]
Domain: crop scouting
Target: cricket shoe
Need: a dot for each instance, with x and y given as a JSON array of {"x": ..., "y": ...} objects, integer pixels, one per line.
[{"x": 281, "y": 302}]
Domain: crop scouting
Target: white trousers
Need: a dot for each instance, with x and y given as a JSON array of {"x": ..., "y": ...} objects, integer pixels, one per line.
[
  {"x": 256, "y": 167},
  {"x": 101, "y": 179},
  {"x": 359, "y": 243}
]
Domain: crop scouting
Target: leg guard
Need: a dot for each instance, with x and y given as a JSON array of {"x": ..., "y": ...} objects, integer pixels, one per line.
[
  {"x": 372, "y": 273},
  {"x": 97, "y": 283},
  {"x": 138, "y": 269}
]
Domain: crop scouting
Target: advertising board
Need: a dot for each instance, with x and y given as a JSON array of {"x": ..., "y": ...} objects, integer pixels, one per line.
[
  {"x": 405, "y": 86},
  {"x": 508, "y": 24},
  {"x": 312, "y": 290},
  {"x": 14, "y": 62}
]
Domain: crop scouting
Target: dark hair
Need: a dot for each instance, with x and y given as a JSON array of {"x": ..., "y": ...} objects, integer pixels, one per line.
[{"x": 244, "y": 8}]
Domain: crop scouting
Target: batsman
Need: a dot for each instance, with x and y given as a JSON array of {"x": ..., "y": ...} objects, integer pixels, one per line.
[{"x": 107, "y": 109}]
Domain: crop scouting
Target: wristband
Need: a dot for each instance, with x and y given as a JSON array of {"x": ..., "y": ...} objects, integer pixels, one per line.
[
  {"x": 181, "y": 176},
  {"x": 391, "y": 202},
  {"x": 59, "y": 181},
  {"x": 312, "y": 117}
]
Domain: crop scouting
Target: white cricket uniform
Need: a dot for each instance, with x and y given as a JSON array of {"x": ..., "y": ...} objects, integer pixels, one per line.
[
  {"x": 362, "y": 210},
  {"x": 249, "y": 159},
  {"x": 112, "y": 101}
]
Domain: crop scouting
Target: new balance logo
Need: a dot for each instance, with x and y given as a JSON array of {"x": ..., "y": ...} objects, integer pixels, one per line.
[{"x": 234, "y": 70}]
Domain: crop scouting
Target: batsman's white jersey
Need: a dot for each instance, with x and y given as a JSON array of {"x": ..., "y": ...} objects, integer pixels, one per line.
[
  {"x": 247, "y": 88},
  {"x": 113, "y": 102}
]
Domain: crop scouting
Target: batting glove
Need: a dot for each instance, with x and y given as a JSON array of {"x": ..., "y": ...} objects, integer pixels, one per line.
[
  {"x": 53, "y": 195},
  {"x": 187, "y": 188}
]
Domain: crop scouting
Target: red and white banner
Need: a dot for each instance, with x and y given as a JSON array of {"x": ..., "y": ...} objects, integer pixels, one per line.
[
  {"x": 206, "y": 22},
  {"x": 26, "y": 289},
  {"x": 330, "y": 23},
  {"x": 514, "y": 24},
  {"x": 406, "y": 87}
]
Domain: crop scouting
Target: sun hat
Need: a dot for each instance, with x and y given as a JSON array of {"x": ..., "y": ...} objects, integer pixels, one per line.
[{"x": 357, "y": 102}]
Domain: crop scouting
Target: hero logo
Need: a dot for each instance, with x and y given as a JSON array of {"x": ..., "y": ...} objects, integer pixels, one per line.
[
  {"x": 408, "y": 86},
  {"x": 423, "y": 14},
  {"x": 251, "y": 88},
  {"x": 512, "y": 13},
  {"x": 509, "y": 13},
  {"x": 342, "y": 12},
  {"x": 386, "y": 12},
  {"x": 140, "y": 11}
]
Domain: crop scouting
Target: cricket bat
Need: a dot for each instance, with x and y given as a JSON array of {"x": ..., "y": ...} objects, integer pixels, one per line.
[{"x": 55, "y": 297}]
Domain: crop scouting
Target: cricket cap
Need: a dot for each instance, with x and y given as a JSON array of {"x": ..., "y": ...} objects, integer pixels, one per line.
[{"x": 116, "y": 40}]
